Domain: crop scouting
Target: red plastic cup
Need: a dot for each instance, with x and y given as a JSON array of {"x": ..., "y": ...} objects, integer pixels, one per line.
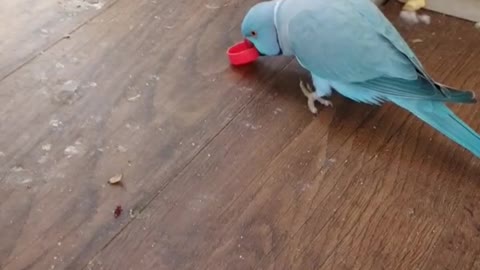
[{"x": 242, "y": 53}]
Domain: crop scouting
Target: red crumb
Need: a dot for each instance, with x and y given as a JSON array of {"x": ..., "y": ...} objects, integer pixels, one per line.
[{"x": 118, "y": 211}]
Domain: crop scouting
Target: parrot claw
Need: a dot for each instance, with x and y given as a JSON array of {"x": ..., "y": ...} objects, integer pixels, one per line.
[
  {"x": 312, "y": 97},
  {"x": 411, "y": 17},
  {"x": 325, "y": 102}
]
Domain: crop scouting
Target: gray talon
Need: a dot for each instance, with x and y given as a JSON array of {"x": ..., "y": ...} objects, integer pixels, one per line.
[{"x": 312, "y": 97}]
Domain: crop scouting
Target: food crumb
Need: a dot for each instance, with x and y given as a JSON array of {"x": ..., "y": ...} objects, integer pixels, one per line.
[
  {"x": 71, "y": 150},
  {"x": 122, "y": 148},
  {"x": 118, "y": 211},
  {"x": 134, "y": 98},
  {"x": 115, "y": 179},
  {"x": 55, "y": 123},
  {"x": 17, "y": 168},
  {"x": 47, "y": 147}
]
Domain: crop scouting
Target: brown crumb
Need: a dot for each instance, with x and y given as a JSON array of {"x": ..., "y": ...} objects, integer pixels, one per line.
[
  {"x": 118, "y": 211},
  {"x": 116, "y": 179},
  {"x": 134, "y": 213}
]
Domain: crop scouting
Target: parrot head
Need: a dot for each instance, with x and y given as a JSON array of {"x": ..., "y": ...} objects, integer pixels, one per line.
[{"x": 258, "y": 27}]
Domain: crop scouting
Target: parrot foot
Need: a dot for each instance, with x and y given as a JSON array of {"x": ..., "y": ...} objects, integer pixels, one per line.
[
  {"x": 411, "y": 17},
  {"x": 312, "y": 97}
]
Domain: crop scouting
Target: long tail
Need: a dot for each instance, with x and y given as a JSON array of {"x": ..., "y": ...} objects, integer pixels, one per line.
[{"x": 439, "y": 116}]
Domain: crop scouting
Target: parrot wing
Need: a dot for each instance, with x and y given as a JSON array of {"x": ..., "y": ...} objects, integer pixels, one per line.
[{"x": 350, "y": 41}]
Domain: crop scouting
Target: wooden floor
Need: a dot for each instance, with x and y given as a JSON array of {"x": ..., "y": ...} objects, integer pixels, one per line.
[{"x": 223, "y": 168}]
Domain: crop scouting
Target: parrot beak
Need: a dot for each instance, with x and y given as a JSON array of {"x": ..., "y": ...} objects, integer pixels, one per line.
[{"x": 249, "y": 44}]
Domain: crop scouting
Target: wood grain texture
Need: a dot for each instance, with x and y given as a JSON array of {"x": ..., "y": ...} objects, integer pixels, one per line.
[
  {"x": 141, "y": 94},
  {"x": 225, "y": 168},
  {"x": 31, "y": 26},
  {"x": 355, "y": 189}
]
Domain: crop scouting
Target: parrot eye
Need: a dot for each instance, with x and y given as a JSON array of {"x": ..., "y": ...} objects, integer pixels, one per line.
[{"x": 253, "y": 33}]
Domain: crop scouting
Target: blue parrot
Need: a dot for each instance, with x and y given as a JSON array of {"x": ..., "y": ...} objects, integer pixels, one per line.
[{"x": 349, "y": 46}]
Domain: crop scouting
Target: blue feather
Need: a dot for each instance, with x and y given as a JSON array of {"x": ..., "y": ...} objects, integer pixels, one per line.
[
  {"x": 351, "y": 46},
  {"x": 440, "y": 117}
]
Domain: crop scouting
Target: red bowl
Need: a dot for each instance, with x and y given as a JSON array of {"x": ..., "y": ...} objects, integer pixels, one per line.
[{"x": 242, "y": 53}]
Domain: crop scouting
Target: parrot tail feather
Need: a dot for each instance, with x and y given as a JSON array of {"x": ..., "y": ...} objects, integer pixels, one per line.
[{"x": 440, "y": 117}]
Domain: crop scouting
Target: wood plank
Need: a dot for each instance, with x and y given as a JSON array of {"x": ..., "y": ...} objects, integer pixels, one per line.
[
  {"x": 356, "y": 188},
  {"x": 29, "y": 27},
  {"x": 144, "y": 88}
]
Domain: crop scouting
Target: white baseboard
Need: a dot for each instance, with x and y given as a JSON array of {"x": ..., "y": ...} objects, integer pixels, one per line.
[{"x": 464, "y": 9}]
